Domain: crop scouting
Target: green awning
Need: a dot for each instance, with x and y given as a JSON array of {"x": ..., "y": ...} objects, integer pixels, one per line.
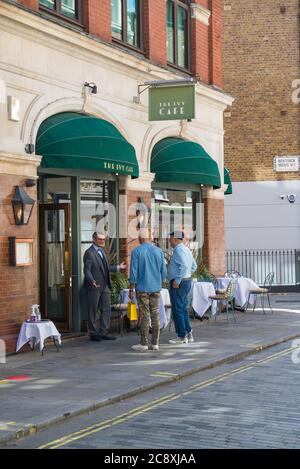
[
  {"x": 227, "y": 180},
  {"x": 80, "y": 141},
  {"x": 177, "y": 160}
]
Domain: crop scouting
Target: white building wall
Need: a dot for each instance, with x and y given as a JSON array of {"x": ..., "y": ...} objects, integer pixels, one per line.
[{"x": 258, "y": 215}]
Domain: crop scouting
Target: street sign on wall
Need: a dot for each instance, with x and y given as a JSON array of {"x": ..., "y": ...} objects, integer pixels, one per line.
[
  {"x": 171, "y": 103},
  {"x": 286, "y": 164}
]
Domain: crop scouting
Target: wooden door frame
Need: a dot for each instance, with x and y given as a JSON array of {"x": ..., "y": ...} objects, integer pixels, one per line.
[{"x": 65, "y": 326}]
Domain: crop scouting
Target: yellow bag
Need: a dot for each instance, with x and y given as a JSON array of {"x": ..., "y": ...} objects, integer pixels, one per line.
[{"x": 132, "y": 312}]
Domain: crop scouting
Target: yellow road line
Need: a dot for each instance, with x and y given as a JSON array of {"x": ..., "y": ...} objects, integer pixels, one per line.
[
  {"x": 158, "y": 402},
  {"x": 140, "y": 408},
  {"x": 164, "y": 373}
]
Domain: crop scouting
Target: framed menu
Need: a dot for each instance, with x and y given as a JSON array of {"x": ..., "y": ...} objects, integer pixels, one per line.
[{"x": 21, "y": 251}]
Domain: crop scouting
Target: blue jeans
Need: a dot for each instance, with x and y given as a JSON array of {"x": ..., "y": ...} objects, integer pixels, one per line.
[{"x": 179, "y": 302}]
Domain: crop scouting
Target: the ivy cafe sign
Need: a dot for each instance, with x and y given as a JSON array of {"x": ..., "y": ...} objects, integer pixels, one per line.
[{"x": 171, "y": 103}]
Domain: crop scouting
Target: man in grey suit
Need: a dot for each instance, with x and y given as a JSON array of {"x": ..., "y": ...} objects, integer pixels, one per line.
[{"x": 97, "y": 284}]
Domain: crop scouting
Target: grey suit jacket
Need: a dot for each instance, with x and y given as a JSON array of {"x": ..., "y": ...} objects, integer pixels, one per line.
[{"x": 97, "y": 269}]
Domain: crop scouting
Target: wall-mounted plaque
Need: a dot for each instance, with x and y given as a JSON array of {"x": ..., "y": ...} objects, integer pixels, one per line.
[
  {"x": 286, "y": 164},
  {"x": 20, "y": 251}
]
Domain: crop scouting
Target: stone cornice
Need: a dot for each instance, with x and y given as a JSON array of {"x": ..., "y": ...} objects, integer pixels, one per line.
[
  {"x": 19, "y": 165},
  {"x": 200, "y": 13}
]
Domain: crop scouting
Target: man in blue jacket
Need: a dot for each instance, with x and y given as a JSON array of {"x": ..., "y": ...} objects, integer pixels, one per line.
[{"x": 147, "y": 272}]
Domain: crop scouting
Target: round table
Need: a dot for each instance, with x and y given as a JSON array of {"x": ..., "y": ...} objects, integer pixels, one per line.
[
  {"x": 36, "y": 333},
  {"x": 201, "y": 302}
]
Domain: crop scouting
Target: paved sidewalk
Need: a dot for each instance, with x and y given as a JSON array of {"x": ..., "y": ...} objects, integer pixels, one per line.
[{"x": 86, "y": 375}]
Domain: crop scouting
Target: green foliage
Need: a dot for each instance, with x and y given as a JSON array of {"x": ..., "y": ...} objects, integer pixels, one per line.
[
  {"x": 202, "y": 273},
  {"x": 118, "y": 283}
]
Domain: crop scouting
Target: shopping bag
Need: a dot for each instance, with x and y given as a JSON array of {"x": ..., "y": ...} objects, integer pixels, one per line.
[{"x": 132, "y": 312}]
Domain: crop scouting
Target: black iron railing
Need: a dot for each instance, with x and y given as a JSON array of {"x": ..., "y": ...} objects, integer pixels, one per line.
[{"x": 256, "y": 264}]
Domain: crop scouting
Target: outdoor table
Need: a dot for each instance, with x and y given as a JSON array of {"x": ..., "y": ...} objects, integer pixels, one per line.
[
  {"x": 243, "y": 285},
  {"x": 36, "y": 333},
  {"x": 201, "y": 302},
  {"x": 164, "y": 300}
]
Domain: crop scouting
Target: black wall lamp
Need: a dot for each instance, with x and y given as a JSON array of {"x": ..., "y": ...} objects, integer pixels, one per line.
[
  {"x": 22, "y": 206},
  {"x": 29, "y": 148},
  {"x": 92, "y": 86}
]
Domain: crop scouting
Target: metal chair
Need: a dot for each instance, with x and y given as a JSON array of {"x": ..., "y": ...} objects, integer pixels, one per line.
[
  {"x": 227, "y": 297},
  {"x": 265, "y": 290}
]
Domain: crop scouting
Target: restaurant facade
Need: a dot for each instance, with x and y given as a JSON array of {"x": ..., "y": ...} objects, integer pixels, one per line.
[{"x": 79, "y": 153}]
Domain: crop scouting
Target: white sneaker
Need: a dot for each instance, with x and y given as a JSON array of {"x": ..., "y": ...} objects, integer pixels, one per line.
[
  {"x": 139, "y": 348},
  {"x": 190, "y": 337},
  {"x": 154, "y": 347},
  {"x": 178, "y": 341}
]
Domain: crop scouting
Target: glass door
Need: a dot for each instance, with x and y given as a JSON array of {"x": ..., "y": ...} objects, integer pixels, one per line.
[{"x": 56, "y": 264}]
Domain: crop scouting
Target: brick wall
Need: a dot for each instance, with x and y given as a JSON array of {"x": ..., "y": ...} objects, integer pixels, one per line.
[
  {"x": 155, "y": 31},
  {"x": 97, "y": 18},
  {"x": 32, "y": 4},
  {"x": 215, "y": 42},
  {"x": 18, "y": 285},
  {"x": 214, "y": 241},
  {"x": 260, "y": 61},
  {"x": 200, "y": 55}
]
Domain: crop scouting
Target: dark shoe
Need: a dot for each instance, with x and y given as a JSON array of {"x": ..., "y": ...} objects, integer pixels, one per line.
[
  {"x": 107, "y": 337},
  {"x": 95, "y": 337}
]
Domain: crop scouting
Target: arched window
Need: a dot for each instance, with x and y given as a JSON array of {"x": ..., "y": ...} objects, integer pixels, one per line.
[
  {"x": 178, "y": 32},
  {"x": 127, "y": 22}
]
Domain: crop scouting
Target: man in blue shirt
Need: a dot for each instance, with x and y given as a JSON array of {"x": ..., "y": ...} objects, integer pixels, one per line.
[
  {"x": 147, "y": 272},
  {"x": 181, "y": 267}
]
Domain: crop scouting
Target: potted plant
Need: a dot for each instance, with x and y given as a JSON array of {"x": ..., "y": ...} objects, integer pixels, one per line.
[
  {"x": 202, "y": 274},
  {"x": 118, "y": 283}
]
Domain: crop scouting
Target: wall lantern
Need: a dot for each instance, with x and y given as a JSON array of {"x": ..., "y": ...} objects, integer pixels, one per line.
[
  {"x": 22, "y": 206},
  {"x": 92, "y": 86}
]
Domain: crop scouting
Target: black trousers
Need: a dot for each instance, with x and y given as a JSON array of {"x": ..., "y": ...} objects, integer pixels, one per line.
[{"x": 98, "y": 298}]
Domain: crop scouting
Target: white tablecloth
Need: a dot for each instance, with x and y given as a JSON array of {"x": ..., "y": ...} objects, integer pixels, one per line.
[
  {"x": 243, "y": 286},
  {"x": 201, "y": 301},
  {"x": 164, "y": 300},
  {"x": 38, "y": 331}
]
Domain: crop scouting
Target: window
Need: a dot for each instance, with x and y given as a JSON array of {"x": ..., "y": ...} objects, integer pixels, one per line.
[
  {"x": 176, "y": 210},
  {"x": 178, "y": 33},
  {"x": 126, "y": 21},
  {"x": 98, "y": 213},
  {"x": 66, "y": 8}
]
